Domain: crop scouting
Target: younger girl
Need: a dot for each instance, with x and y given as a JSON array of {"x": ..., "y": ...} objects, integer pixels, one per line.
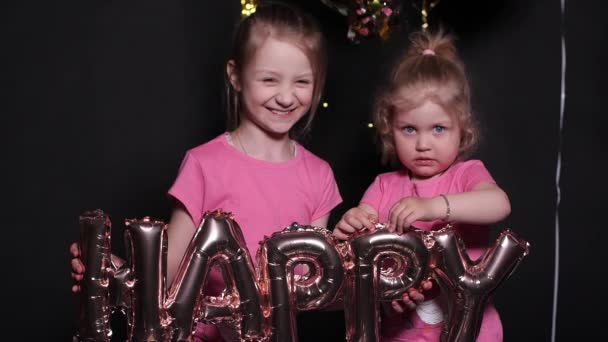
[
  {"x": 426, "y": 126},
  {"x": 256, "y": 170}
]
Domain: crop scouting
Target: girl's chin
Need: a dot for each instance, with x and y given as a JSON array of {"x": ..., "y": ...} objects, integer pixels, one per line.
[{"x": 423, "y": 174}]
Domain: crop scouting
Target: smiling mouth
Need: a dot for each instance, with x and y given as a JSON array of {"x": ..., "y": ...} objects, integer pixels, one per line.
[{"x": 281, "y": 112}]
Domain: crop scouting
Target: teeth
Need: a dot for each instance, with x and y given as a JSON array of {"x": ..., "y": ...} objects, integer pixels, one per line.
[{"x": 280, "y": 112}]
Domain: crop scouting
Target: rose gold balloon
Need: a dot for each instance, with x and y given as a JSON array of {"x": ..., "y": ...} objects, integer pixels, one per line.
[
  {"x": 146, "y": 241},
  {"x": 468, "y": 284},
  {"x": 121, "y": 287},
  {"x": 289, "y": 292},
  {"x": 377, "y": 266},
  {"x": 369, "y": 282},
  {"x": 218, "y": 239},
  {"x": 94, "y": 308}
]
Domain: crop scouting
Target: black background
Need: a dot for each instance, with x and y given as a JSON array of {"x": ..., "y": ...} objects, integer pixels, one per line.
[{"x": 102, "y": 98}]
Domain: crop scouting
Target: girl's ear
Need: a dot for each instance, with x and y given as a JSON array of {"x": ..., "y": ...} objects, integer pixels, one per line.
[{"x": 232, "y": 74}]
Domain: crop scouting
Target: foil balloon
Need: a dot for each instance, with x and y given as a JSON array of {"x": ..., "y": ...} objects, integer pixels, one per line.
[
  {"x": 121, "y": 287},
  {"x": 469, "y": 284},
  {"x": 217, "y": 240},
  {"x": 368, "y": 269},
  {"x": 94, "y": 305},
  {"x": 289, "y": 292},
  {"x": 369, "y": 282},
  {"x": 146, "y": 242}
]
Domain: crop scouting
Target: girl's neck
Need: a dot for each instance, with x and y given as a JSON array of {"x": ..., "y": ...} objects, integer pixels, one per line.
[{"x": 260, "y": 145}]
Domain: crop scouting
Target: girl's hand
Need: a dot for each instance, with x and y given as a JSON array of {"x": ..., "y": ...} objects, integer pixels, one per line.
[
  {"x": 77, "y": 267},
  {"x": 411, "y": 298},
  {"x": 355, "y": 219},
  {"x": 411, "y": 209}
]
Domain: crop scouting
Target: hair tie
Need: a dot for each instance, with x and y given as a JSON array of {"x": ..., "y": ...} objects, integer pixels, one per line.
[{"x": 428, "y": 52}]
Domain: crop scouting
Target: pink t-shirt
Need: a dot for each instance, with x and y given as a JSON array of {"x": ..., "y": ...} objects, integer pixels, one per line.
[
  {"x": 264, "y": 197},
  {"x": 388, "y": 188}
]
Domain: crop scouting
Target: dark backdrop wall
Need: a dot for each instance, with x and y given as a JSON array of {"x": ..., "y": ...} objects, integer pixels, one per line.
[{"x": 102, "y": 98}]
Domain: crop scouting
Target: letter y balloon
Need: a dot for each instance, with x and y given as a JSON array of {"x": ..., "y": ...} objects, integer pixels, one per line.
[{"x": 468, "y": 284}]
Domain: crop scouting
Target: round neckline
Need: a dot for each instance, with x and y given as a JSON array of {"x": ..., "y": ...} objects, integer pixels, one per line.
[{"x": 241, "y": 155}]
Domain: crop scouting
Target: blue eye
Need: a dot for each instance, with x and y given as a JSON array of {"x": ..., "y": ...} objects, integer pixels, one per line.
[
  {"x": 438, "y": 129},
  {"x": 409, "y": 130}
]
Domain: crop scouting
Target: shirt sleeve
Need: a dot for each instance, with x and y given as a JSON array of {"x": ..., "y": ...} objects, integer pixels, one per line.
[
  {"x": 373, "y": 194},
  {"x": 188, "y": 187},
  {"x": 330, "y": 194},
  {"x": 474, "y": 173}
]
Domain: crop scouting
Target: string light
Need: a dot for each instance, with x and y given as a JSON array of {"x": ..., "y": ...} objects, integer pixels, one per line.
[
  {"x": 248, "y": 7},
  {"x": 425, "y": 10},
  {"x": 370, "y": 125},
  {"x": 325, "y": 104}
]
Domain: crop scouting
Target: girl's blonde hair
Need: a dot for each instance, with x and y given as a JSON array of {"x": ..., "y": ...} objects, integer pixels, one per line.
[
  {"x": 429, "y": 70},
  {"x": 286, "y": 23}
]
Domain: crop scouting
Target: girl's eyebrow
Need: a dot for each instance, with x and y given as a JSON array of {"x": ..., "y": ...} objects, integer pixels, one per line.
[
  {"x": 265, "y": 71},
  {"x": 404, "y": 123},
  {"x": 443, "y": 123},
  {"x": 273, "y": 71},
  {"x": 306, "y": 74}
]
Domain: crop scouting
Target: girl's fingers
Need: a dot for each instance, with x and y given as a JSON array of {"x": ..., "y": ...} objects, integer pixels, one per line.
[
  {"x": 393, "y": 214},
  {"x": 397, "y": 306},
  {"x": 394, "y": 217},
  {"x": 346, "y": 227},
  {"x": 340, "y": 235},
  {"x": 353, "y": 222},
  {"x": 407, "y": 302},
  {"x": 411, "y": 218},
  {"x": 401, "y": 220},
  {"x": 368, "y": 222},
  {"x": 416, "y": 296},
  {"x": 358, "y": 222},
  {"x": 343, "y": 230},
  {"x": 74, "y": 250},
  {"x": 75, "y": 288},
  {"x": 77, "y": 266},
  {"x": 77, "y": 277}
]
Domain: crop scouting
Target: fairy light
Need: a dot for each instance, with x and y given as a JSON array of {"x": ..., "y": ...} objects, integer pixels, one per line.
[
  {"x": 325, "y": 104},
  {"x": 370, "y": 125},
  {"x": 248, "y": 7},
  {"x": 425, "y": 10}
]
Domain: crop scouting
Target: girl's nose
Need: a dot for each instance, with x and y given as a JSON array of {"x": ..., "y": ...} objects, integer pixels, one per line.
[
  {"x": 285, "y": 97},
  {"x": 422, "y": 143}
]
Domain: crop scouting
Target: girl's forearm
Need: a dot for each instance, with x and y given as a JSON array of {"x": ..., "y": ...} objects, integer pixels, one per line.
[{"x": 486, "y": 204}]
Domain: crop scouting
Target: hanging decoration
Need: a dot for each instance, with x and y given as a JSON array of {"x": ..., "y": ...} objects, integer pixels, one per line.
[
  {"x": 367, "y": 18},
  {"x": 425, "y": 9},
  {"x": 248, "y": 7}
]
